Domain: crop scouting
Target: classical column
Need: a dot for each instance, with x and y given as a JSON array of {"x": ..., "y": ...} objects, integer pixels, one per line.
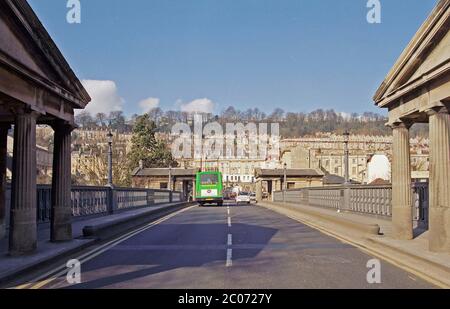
[
  {"x": 4, "y": 128},
  {"x": 61, "y": 218},
  {"x": 402, "y": 219},
  {"x": 23, "y": 226},
  {"x": 259, "y": 191},
  {"x": 439, "y": 229}
]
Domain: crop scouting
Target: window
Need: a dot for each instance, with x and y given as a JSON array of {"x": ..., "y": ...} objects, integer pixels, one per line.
[
  {"x": 163, "y": 185},
  {"x": 209, "y": 179}
]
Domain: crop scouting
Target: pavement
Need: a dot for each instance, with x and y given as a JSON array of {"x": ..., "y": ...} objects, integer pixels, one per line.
[
  {"x": 48, "y": 252},
  {"x": 230, "y": 247}
]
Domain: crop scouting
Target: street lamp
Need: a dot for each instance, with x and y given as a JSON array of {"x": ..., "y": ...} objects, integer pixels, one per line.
[
  {"x": 346, "y": 157},
  {"x": 110, "y": 163}
]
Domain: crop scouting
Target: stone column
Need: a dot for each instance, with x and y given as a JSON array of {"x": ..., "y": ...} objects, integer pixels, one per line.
[
  {"x": 258, "y": 191},
  {"x": 439, "y": 229},
  {"x": 23, "y": 226},
  {"x": 61, "y": 218},
  {"x": 402, "y": 219},
  {"x": 194, "y": 189},
  {"x": 4, "y": 128}
]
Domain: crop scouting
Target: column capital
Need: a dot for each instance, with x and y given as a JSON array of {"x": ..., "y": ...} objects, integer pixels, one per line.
[
  {"x": 59, "y": 124},
  {"x": 19, "y": 110},
  {"x": 438, "y": 110},
  {"x": 400, "y": 124}
]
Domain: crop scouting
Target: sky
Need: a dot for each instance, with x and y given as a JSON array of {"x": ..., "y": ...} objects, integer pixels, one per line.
[{"x": 205, "y": 55}]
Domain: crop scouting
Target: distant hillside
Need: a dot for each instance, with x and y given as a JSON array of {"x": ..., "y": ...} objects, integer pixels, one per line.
[{"x": 291, "y": 124}]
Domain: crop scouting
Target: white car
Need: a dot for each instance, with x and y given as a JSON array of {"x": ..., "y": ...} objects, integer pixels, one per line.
[{"x": 243, "y": 197}]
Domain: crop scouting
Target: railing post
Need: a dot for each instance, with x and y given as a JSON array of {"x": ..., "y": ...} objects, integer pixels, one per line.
[
  {"x": 112, "y": 200},
  {"x": 345, "y": 201},
  {"x": 170, "y": 196}
]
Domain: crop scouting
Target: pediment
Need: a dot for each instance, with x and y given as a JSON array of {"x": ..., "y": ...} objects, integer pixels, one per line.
[
  {"x": 419, "y": 66},
  {"x": 17, "y": 48},
  {"x": 26, "y": 47},
  {"x": 426, "y": 56}
]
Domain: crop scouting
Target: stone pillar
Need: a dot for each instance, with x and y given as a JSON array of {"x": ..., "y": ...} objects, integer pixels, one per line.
[
  {"x": 23, "y": 226},
  {"x": 402, "y": 219},
  {"x": 439, "y": 229},
  {"x": 61, "y": 218},
  {"x": 4, "y": 128},
  {"x": 258, "y": 191},
  {"x": 194, "y": 189}
]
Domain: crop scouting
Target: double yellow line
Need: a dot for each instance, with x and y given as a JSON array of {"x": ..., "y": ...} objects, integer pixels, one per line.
[{"x": 52, "y": 275}]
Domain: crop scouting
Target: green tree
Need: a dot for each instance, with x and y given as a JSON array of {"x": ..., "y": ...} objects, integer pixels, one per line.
[{"x": 146, "y": 147}]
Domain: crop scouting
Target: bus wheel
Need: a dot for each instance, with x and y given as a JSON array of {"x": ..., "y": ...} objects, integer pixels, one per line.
[{"x": 220, "y": 204}]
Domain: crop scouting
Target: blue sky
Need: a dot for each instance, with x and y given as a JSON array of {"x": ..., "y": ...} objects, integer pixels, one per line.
[{"x": 295, "y": 54}]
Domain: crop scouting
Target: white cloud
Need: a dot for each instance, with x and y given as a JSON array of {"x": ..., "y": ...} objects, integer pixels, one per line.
[
  {"x": 105, "y": 96},
  {"x": 200, "y": 105},
  {"x": 149, "y": 104}
]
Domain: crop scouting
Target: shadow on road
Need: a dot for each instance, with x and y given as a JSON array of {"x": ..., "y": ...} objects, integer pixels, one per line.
[{"x": 169, "y": 247}]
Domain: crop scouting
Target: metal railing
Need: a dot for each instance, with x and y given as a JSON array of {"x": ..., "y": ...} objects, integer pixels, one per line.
[
  {"x": 89, "y": 201},
  {"x": 363, "y": 199}
]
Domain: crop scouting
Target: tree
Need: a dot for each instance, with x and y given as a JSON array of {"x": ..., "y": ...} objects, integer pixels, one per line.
[
  {"x": 277, "y": 114},
  {"x": 146, "y": 147},
  {"x": 118, "y": 121},
  {"x": 84, "y": 119},
  {"x": 156, "y": 114},
  {"x": 100, "y": 119},
  {"x": 92, "y": 169}
]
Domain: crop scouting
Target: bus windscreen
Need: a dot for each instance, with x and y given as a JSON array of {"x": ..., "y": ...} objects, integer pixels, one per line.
[{"x": 209, "y": 179}]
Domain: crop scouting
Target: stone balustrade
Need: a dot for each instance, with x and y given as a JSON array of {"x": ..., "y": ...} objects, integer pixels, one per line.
[
  {"x": 91, "y": 200},
  {"x": 363, "y": 199}
]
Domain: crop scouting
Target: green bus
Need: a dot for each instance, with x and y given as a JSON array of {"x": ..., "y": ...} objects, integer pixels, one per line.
[{"x": 209, "y": 188}]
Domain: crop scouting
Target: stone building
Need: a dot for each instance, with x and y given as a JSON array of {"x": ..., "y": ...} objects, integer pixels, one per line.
[
  {"x": 178, "y": 179},
  {"x": 417, "y": 90},
  {"x": 327, "y": 154},
  {"x": 268, "y": 181},
  {"x": 44, "y": 163}
]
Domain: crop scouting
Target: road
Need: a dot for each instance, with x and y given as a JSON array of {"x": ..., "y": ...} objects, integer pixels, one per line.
[{"x": 233, "y": 247}]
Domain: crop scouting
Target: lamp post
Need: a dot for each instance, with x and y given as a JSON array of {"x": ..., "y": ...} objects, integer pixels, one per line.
[
  {"x": 110, "y": 163},
  {"x": 346, "y": 157}
]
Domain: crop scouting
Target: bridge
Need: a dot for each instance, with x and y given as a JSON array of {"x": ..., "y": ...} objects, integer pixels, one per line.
[{"x": 314, "y": 237}]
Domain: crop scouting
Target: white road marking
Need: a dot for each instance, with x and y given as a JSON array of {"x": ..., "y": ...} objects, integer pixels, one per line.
[
  {"x": 228, "y": 211},
  {"x": 229, "y": 258},
  {"x": 230, "y": 240},
  {"x": 54, "y": 274},
  {"x": 229, "y": 221}
]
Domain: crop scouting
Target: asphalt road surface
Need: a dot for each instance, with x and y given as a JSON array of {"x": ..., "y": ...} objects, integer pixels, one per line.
[{"x": 233, "y": 247}]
